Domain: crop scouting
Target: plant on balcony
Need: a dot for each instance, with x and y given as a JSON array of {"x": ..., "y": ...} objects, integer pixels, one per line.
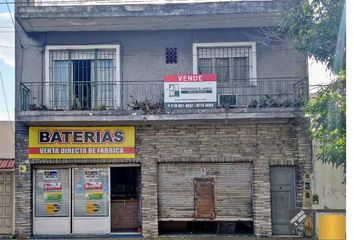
[
  {"x": 253, "y": 104},
  {"x": 287, "y": 103},
  {"x": 101, "y": 107},
  {"x": 34, "y": 107},
  {"x": 147, "y": 106},
  {"x": 76, "y": 106},
  {"x": 269, "y": 102}
]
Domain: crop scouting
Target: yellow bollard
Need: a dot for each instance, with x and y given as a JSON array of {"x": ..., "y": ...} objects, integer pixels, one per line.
[{"x": 331, "y": 227}]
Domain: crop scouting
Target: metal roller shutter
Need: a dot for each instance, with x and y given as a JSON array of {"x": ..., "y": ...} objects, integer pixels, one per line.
[{"x": 232, "y": 190}]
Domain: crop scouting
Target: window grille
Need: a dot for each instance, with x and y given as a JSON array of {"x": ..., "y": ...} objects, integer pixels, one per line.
[
  {"x": 82, "y": 79},
  {"x": 171, "y": 55},
  {"x": 235, "y": 67},
  {"x": 232, "y": 65}
]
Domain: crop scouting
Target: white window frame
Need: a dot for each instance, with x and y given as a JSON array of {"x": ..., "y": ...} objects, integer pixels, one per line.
[
  {"x": 253, "y": 59},
  {"x": 49, "y": 48}
]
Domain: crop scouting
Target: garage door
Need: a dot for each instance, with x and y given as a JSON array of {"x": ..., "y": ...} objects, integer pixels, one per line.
[{"x": 232, "y": 186}]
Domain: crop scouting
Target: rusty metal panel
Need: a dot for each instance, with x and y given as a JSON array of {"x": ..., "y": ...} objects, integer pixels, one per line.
[
  {"x": 232, "y": 189},
  {"x": 204, "y": 198}
]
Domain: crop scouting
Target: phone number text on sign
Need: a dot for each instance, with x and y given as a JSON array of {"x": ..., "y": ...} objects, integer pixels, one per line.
[{"x": 190, "y": 91}]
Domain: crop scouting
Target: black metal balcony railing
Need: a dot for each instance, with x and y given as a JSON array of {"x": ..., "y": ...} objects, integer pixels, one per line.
[
  {"x": 108, "y": 2},
  {"x": 256, "y": 93}
]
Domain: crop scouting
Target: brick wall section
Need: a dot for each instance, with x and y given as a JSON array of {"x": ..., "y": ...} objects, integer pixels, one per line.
[
  {"x": 23, "y": 185},
  {"x": 264, "y": 144},
  {"x": 304, "y": 155},
  {"x": 147, "y": 152},
  {"x": 261, "y": 182},
  {"x": 125, "y": 214}
]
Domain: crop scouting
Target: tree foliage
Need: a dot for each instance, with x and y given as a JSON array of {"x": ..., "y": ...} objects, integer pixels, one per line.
[
  {"x": 317, "y": 28},
  {"x": 328, "y": 124}
]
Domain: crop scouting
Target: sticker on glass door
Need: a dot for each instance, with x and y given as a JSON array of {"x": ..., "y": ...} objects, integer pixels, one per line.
[
  {"x": 91, "y": 200},
  {"x": 52, "y": 200}
]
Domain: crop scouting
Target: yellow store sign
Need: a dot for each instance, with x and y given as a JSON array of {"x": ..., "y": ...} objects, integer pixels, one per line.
[{"x": 81, "y": 142}]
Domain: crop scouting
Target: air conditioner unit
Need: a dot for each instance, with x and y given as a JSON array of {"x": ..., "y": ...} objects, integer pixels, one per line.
[{"x": 227, "y": 100}]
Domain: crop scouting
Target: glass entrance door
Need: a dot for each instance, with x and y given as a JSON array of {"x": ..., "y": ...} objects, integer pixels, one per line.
[
  {"x": 52, "y": 201},
  {"x": 91, "y": 201},
  {"x": 71, "y": 201}
]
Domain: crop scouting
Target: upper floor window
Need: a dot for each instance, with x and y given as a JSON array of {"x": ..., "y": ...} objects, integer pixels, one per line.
[
  {"x": 233, "y": 63},
  {"x": 82, "y": 78}
]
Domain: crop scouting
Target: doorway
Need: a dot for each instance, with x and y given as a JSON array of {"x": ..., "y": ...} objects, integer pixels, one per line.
[
  {"x": 82, "y": 84},
  {"x": 71, "y": 201},
  {"x": 125, "y": 199},
  {"x": 282, "y": 198}
]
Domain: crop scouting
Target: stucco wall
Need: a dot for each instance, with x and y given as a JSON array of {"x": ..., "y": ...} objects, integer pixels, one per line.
[
  {"x": 328, "y": 185},
  {"x": 7, "y": 139},
  {"x": 143, "y": 52}
]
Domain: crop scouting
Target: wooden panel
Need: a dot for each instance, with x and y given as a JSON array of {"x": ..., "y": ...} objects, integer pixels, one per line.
[
  {"x": 232, "y": 189},
  {"x": 6, "y": 202},
  {"x": 204, "y": 198}
]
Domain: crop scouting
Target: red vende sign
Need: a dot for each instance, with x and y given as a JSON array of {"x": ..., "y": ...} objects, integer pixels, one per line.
[{"x": 190, "y": 78}]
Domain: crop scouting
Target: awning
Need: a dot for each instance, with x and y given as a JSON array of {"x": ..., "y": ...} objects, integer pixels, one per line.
[{"x": 7, "y": 163}]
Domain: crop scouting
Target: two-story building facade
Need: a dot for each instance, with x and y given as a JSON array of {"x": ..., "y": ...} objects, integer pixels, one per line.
[{"x": 157, "y": 118}]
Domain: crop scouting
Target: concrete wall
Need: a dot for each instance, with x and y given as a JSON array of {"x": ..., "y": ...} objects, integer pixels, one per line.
[
  {"x": 328, "y": 185},
  {"x": 143, "y": 52},
  {"x": 7, "y": 139},
  {"x": 263, "y": 144}
]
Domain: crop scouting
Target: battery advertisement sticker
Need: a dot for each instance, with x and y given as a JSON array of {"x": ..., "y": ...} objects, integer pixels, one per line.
[
  {"x": 92, "y": 208},
  {"x": 52, "y": 193},
  {"x": 92, "y": 174},
  {"x": 53, "y": 208},
  {"x": 93, "y": 185},
  {"x": 91, "y": 194},
  {"x": 94, "y": 196},
  {"x": 53, "y": 196},
  {"x": 50, "y": 174}
]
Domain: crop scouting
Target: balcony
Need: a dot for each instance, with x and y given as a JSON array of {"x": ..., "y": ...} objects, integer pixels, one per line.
[
  {"x": 118, "y": 2},
  {"x": 137, "y": 100},
  {"x": 112, "y": 15}
]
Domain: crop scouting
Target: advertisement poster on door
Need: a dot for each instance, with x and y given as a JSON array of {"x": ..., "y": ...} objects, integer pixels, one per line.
[
  {"x": 52, "y": 191},
  {"x": 91, "y": 192},
  {"x": 94, "y": 191},
  {"x": 53, "y": 197},
  {"x": 190, "y": 91}
]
